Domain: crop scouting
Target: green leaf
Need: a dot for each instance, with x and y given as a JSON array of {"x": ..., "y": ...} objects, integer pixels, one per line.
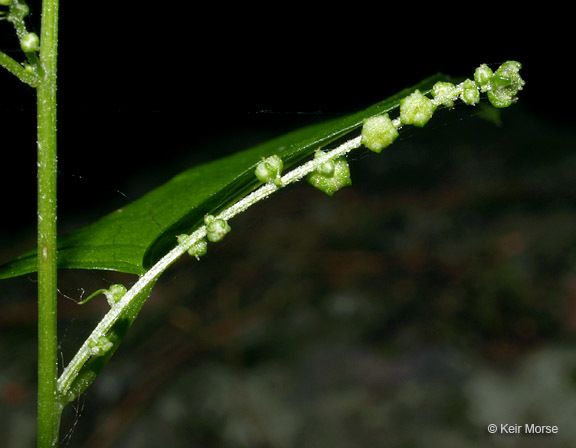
[{"x": 133, "y": 238}]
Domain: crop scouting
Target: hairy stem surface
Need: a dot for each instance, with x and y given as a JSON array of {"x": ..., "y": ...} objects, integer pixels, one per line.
[{"x": 49, "y": 407}]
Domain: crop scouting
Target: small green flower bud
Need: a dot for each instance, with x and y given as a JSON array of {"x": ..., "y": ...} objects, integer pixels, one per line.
[
  {"x": 5, "y": 2},
  {"x": 269, "y": 169},
  {"x": 30, "y": 43},
  {"x": 216, "y": 229},
  {"x": 416, "y": 109},
  {"x": 325, "y": 168},
  {"x": 505, "y": 84},
  {"x": 198, "y": 249},
  {"x": 482, "y": 77},
  {"x": 445, "y": 93},
  {"x": 100, "y": 347},
  {"x": 330, "y": 184},
  {"x": 114, "y": 294},
  {"x": 470, "y": 94},
  {"x": 378, "y": 132}
]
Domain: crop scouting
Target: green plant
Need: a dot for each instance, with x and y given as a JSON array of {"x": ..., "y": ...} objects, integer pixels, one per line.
[
  {"x": 40, "y": 72},
  {"x": 188, "y": 220}
]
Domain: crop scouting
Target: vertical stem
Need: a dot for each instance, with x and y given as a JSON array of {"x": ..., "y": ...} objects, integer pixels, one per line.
[{"x": 49, "y": 407}]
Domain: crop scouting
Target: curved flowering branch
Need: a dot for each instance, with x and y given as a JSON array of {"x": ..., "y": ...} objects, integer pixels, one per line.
[{"x": 327, "y": 171}]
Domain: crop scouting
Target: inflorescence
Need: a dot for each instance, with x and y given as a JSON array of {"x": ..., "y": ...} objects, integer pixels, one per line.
[
  {"x": 329, "y": 171},
  {"x": 380, "y": 131}
]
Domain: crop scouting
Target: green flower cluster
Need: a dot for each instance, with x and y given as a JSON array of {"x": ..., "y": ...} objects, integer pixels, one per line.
[
  {"x": 216, "y": 230},
  {"x": 198, "y": 249},
  {"x": 269, "y": 170},
  {"x": 329, "y": 175},
  {"x": 416, "y": 109},
  {"x": 329, "y": 171},
  {"x": 380, "y": 131}
]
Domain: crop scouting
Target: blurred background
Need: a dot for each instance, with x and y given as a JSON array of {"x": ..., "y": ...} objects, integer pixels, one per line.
[{"x": 435, "y": 296}]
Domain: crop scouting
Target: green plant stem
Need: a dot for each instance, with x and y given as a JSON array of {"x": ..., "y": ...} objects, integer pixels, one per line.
[
  {"x": 17, "y": 69},
  {"x": 49, "y": 405}
]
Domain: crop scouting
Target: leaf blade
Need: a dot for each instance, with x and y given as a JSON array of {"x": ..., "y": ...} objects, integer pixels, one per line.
[{"x": 132, "y": 238}]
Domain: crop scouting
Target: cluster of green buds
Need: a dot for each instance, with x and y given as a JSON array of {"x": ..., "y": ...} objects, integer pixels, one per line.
[
  {"x": 329, "y": 175},
  {"x": 379, "y": 132},
  {"x": 198, "y": 249},
  {"x": 501, "y": 88},
  {"x": 269, "y": 170},
  {"x": 216, "y": 230},
  {"x": 329, "y": 171}
]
